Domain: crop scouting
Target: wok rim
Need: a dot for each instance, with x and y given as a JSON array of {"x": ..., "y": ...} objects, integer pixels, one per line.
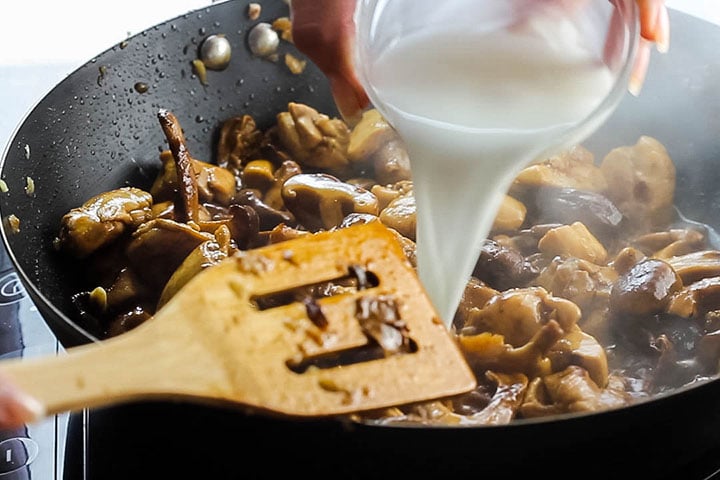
[{"x": 36, "y": 294}]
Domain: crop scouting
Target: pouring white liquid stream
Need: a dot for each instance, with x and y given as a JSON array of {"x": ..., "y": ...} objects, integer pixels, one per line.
[{"x": 474, "y": 109}]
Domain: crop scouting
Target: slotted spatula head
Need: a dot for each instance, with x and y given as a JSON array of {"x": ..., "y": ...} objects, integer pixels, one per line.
[{"x": 250, "y": 331}]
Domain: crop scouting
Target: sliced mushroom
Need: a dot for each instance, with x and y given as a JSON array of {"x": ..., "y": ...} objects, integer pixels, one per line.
[
  {"x": 187, "y": 196},
  {"x": 578, "y": 348},
  {"x": 571, "y": 390},
  {"x": 697, "y": 265},
  {"x": 627, "y": 258},
  {"x": 671, "y": 243},
  {"x": 696, "y": 299},
  {"x": 489, "y": 351},
  {"x": 319, "y": 201},
  {"x": 674, "y": 367},
  {"x": 503, "y": 267},
  {"x": 208, "y": 253},
  {"x": 505, "y": 402},
  {"x": 214, "y": 184},
  {"x": 569, "y": 205},
  {"x": 268, "y": 217},
  {"x": 102, "y": 219},
  {"x": 273, "y": 196},
  {"x": 159, "y": 246},
  {"x": 645, "y": 289},
  {"x": 314, "y": 139},
  {"x": 284, "y": 232},
  {"x": 495, "y": 402}
]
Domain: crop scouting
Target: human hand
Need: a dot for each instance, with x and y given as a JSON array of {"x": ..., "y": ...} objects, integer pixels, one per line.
[
  {"x": 654, "y": 30},
  {"x": 16, "y": 407},
  {"x": 324, "y": 31}
]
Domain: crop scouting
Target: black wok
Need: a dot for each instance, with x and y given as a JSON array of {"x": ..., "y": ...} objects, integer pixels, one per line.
[{"x": 95, "y": 132}]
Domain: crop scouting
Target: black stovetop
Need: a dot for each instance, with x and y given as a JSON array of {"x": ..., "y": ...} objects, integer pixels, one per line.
[
  {"x": 143, "y": 441},
  {"x": 35, "y": 451}
]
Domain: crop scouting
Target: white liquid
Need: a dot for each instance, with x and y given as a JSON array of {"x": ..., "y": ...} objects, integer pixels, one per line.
[{"x": 474, "y": 109}]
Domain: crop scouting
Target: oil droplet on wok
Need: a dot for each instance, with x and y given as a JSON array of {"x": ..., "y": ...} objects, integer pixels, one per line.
[{"x": 141, "y": 87}]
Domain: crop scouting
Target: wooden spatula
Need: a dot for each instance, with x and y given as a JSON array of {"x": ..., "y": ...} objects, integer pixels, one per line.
[{"x": 377, "y": 343}]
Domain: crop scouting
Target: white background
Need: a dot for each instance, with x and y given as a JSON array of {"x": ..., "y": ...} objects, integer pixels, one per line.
[
  {"x": 72, "y": 31},
  {"x": 42, "y": 41}
]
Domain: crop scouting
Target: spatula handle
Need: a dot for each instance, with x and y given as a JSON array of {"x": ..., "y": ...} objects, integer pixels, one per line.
[{"x": 129, "y": 367}]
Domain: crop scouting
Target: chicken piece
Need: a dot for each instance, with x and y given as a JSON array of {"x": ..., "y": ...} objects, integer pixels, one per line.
[
  {"x": 314, "y": 139},
  {"x": 584, "y": 283},
  {"x": 401, "y": 215},
  {"x": 368, "y": 136},
  {"x": 641, "y": 181},
  {"x": 389, "y": 192},
  {"x": 510, "y": 216},
  {"x": 320, "y": 201},
  {"x": 574, "y": 169},
  {"x": 391, "y": 163},
  {"x": 407, "y": 245},
  {"x": 696, "y": 299},
  {"x": 573, "y": 241},
  {"x": 519, "y": 314},
  {"x": 258, "y": 175},
  {"x": 571, "y": 390},
  {"x": 475, "y": 295},
  {"x": 239, "y": 141},
  {"x": 103, "y": 219}
]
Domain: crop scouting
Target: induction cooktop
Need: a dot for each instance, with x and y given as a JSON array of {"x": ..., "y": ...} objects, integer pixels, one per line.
[{"x": 35, "y": 451}]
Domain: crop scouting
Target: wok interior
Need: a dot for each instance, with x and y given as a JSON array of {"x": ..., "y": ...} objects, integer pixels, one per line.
[{"x": 106, "y": 133}]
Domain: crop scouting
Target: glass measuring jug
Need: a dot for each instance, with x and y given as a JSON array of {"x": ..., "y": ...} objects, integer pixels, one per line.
[{"x": 478, "y": 89}]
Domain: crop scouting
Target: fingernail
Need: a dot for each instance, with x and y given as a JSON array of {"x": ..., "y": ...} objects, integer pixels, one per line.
[
  {"x": 662, "y": 42},
  {"x": 29, "y": 408},
  {"x": 637, "y": 76}
]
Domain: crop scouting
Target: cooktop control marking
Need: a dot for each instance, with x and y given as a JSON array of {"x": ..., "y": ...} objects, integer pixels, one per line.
[
  {"x": 11, "y": 289},
  {"x": 19, "y": 452}
]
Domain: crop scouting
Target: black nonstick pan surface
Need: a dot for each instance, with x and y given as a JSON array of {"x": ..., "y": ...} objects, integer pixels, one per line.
[{"x": 96, "y": 131}]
